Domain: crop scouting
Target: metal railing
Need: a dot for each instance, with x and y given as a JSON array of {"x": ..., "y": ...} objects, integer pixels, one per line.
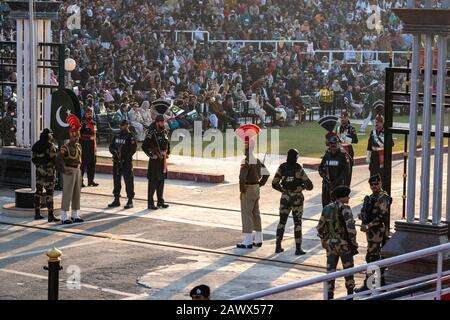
[
  {"x": 439, "y": 250},
  {"x": 275, "y": 43},
  {"x": 361, "y": 56}
]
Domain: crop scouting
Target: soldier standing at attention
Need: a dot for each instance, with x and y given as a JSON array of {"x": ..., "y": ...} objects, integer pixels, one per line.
[
  {"x": 157, "y": 147},
  {"x": 291, "y": 180},
  {"x": 123, "y": 147},
  {"x": 334, "y": 169},
  {"x": 88, "y": 146},
  {"x": 252, "y": 176},
  {"x": 44, "y": 158},
  {"x": 68, "y": 162},
  {"x": 336, "y": 230},
  {"x": 375, "y": 148},
  {"x": 374, "y": 215}
]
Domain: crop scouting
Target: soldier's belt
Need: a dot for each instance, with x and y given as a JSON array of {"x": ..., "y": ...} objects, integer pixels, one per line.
[
  {"x": 87, "y": 138},
  {"x": 73, "y": 166}
]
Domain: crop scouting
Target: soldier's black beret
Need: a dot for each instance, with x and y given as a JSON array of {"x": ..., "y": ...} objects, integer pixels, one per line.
[
  {"x": 375, "y": 178},
  {"x": 341, "y": 191},
  {"x": 201, "y": 290}
]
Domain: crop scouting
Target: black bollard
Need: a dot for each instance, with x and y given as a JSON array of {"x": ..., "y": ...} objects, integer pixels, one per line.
[{"x": 53, "y": 272}]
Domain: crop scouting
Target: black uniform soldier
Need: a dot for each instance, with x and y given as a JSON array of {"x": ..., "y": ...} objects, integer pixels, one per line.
[
  {"x": 44, "y": 157},
  {"x": 252, "y": 176},
  {"x": 375, "y": 148},
  {"x": 157, "y": 147},
  {"x": 336, "y": 230},
  {"x": 334, "y": 169},
  {"x": 123, "y": 147},
  {"x": 347, "y": 134},
  {"x": 291, "y": 180},
  {"x": 374, "y": 214},
  {"x": 89, "y": 146}
]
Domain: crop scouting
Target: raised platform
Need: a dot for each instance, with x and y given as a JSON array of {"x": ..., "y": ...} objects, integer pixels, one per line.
[
  {"x": 172, "y": 174},
  {"x": 409, "y": 237}
]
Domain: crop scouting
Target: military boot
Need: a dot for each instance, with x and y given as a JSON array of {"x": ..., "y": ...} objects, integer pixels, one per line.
[
  {"x": 363, "y": 287},
  {"x": 350, "y": 292},
  {"x": 115, "y": 203},
  {"x": 278, "y": 247},
  {"x": 129, "y": 204},
  {"x": 298, "y": 250},
  {"x": 37, "y": 214},
  {"x": 51, "y": 217}
]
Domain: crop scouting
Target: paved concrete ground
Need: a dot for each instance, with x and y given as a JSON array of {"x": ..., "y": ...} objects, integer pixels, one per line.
[{"x": 141, "y": 254}]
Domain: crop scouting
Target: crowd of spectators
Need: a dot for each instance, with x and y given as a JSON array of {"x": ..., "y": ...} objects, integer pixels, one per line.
[{"x": 125, "y": 60}]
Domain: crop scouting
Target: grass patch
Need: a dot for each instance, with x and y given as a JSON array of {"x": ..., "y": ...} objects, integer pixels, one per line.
[{"x": 308, "y": 138}]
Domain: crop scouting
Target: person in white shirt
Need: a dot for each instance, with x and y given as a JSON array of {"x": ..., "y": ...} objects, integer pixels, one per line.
[
  {"x": 146, "y": 114},
  {"x": 136, "y": 122},
  {"x": 254, "y": 105}
]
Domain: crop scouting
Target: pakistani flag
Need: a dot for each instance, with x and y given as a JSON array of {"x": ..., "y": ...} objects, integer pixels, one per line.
[{"x": 176, "y": 110}]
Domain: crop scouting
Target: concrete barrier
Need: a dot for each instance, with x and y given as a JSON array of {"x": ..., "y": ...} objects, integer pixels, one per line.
[{"x": 172, "y": 174}]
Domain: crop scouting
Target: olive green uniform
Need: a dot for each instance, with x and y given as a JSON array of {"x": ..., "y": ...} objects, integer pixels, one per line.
[
  {"x": 337, "y": 227},
  {"x": 291, "y": 180}
]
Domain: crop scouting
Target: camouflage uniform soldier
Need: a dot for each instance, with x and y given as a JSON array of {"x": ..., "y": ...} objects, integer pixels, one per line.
[
  {"x": 291, "y": 180},
  {"x": 374, "y": 214},
  {"x": 44, "y": 158},
  {"x": 337, "y": 232}
]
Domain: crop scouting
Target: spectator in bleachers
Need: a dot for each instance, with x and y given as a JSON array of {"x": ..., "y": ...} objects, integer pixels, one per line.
[
  {"x": 255, "y": 107},
  {"x": 121, "y": 114},
  {"x": 137, "y": 122}
]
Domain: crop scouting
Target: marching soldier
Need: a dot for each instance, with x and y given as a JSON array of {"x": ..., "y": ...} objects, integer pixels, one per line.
[
  {"x": 335, "y": 169},
  {"x": 123, "y": 147},
  {"x": 89, "y": 147},
  {"x": 157, "y": 147},
  {"x": 69, "y": 162},
  {"x": 252, "y": 176},
  {"x": 336, "y": 230},
  {"x": 374, "y": 215},
  {"x": 291, "y": 180},
  {"x": 375, "y": 148},
  {"x": 44, "y": 157}
]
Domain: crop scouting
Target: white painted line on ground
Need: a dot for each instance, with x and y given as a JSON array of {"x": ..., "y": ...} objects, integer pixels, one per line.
[
  {"x": 88, "y": 286},
  {"x": 27, "y": 253}
]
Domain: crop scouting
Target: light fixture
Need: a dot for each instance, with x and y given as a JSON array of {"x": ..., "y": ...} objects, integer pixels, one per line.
[{"x": 69, "y": 64}]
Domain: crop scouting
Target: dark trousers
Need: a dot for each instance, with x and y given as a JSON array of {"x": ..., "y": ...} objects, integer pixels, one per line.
[
  {"x": 126, "y": 170},
  {"x": 157, "y": 186},
  {"x": 88, "y": 159},
  {"x": 326, "y": 195}
]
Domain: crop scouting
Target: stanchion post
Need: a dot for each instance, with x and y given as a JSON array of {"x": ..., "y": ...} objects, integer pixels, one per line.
[{"x": 53, "y": 272}]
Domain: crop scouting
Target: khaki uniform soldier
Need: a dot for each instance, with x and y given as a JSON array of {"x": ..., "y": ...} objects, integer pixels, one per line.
[
  {"x": 44, "y": 157},
  {"x": 252, "y": 176},
  {"x": 69, "y": 162},
  {"x": 337, "y": 232},
  {"x": 374, "y": 214},
  {"x": 291, "y": 180}
]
